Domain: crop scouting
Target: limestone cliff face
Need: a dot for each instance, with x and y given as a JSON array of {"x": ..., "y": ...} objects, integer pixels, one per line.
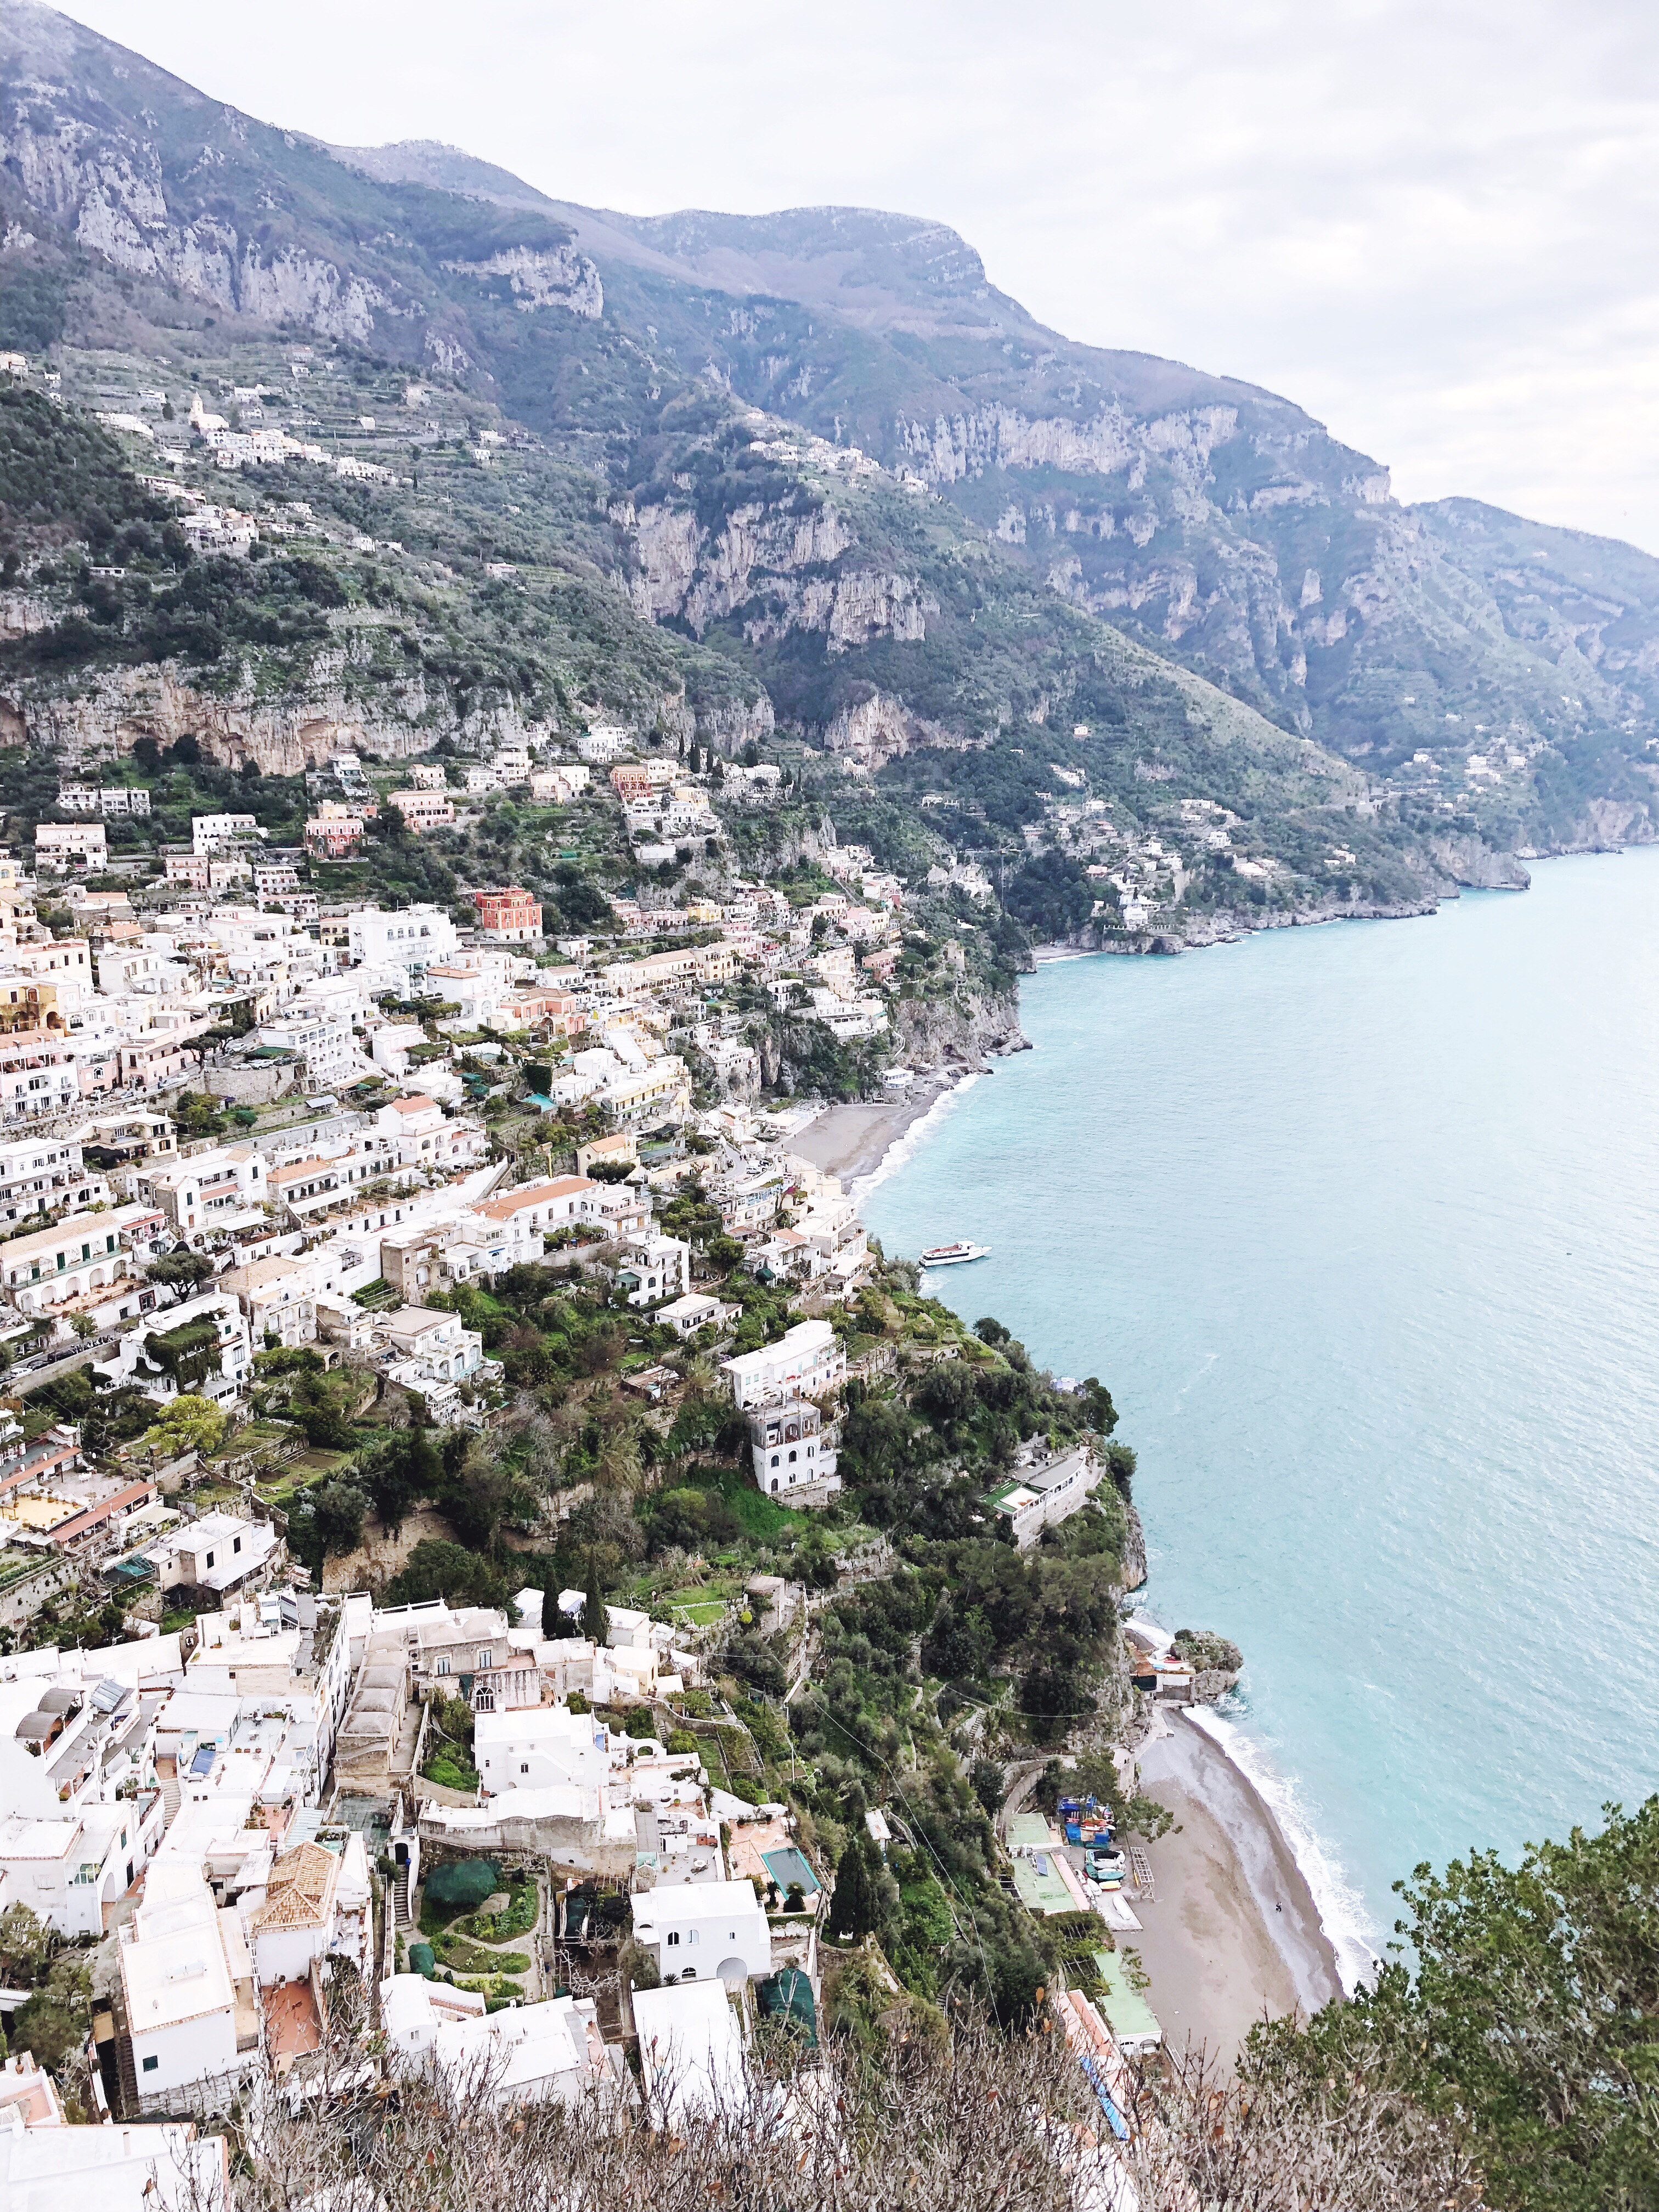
[
  {"x": 1110, "y": 443},
  {"x": 107, "y": 713},
  {"x": 963, "y": 1032},
  {"x": 779, "y": 567},
  {"x": 1469, "y": 862},
  {"x": 109, "y": 192},
  {"x": 558, "y": 276}
]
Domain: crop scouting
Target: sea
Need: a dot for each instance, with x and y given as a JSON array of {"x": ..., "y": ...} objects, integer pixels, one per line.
[{"x": 1360, "y": 1225}]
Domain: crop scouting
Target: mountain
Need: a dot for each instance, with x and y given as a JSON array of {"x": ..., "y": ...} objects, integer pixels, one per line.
[{"x": 853, "y": 488}]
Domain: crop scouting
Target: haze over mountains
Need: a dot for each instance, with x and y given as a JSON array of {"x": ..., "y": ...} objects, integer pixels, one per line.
[{"x": 1215, "y": 525}]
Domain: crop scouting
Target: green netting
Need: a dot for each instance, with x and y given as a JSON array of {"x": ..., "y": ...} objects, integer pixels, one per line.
[
  {"x": 787, "y": 1995},
  {"x": 423, "y": 1959},
  {"x": 462, "y": 1885}
]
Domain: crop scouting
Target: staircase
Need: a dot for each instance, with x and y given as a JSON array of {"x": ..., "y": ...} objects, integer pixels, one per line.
[
  {"x": 129, "y": 2076},
  {"x": 400, "y": 1912},
  {"x": 173, "y": 1793}
]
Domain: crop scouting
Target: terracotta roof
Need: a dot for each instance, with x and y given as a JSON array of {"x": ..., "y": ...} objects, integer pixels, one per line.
[
  {"x": 536, "y": 1194},
  {"x": 418, "y": 1104},
  {"x": 300, "y": 1889}
]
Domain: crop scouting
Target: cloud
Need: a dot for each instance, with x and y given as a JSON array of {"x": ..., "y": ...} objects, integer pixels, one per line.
[{"x": 1430, "y": 225}]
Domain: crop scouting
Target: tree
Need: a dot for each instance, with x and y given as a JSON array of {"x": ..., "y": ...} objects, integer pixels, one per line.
[
  {"x": 182, "y": 1269},
  {"x": 336, "y": 1514},
  {"x": 26, "y": 1946},
  {"x": 855, "y": 1907},
  {"x": 188, "y": 1423},
  {"x": 54, "y": 2022},
  {"x": 438, "y": 1568},
  {"x": 1530, "y": 2013},
  {"x": 404, "y": 1471},
  {"x": 553, "y": 1621},
  {"x": 83, "y": 1325},
  {"x": 596, "y": 1621}
]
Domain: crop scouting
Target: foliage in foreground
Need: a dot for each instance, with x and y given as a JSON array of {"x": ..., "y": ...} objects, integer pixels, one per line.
[
  {"x": 960, "y": 2116},
  {"x": 1532, "y": 2014}
]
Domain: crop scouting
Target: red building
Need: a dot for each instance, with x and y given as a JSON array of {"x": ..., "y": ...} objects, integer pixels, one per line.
[{"x": 508, "y": 917}]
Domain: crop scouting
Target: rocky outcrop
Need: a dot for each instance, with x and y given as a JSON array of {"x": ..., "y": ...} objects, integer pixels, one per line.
[
  {"x": 728, "y": 725},
  {"x": 1217, "y": 1663},
  {"x": 960, "y": 1033},
  {"x": 111, "y": 712},
  {"x": 872, "y": 731},
  {"x": 1469, "y": 862},
  {"x": 556, "y": 276},
  {"x": 1133, "y": 1573},
  {"x": 1107, "y": 443}
]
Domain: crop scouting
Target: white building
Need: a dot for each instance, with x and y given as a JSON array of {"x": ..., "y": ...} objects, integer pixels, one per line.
[
  {"x": 211, "y": 832},
  {"x": 789, "y": 1448},
  {"x": 41, "y": 1173},
  {"x": 316, "y": 1907},
  {"x": 704, "y": 1930},
  {"x": 59, "y": 844},
  {"x": 219, "y": 1554},
  {"x": 187, "y": 1990},
  {"x": 528, "y": 2053},
  {"x": 807, "y": 1361},
  {"x": 602, "y": 743},
  {"x": 159, "y": 2168},
  {"x": 412, "y": 939},
  {"x": 691, "y": 2053},
  {"x": 202, "y": 1347},
  {"x": 539, "y": 1746},
  {"x": 322, "y": 1041},
  {"x": 654, "y": 1267}
]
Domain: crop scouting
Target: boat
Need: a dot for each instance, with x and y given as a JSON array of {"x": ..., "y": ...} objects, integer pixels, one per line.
[{"x": 953, "y": 1256}]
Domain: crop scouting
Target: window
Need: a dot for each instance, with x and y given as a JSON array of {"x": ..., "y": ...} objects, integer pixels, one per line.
[
  {"x": 486, "y": 1657},
  {"x": 210, "y": 1559},
  {"x": 443, "y": 1665},
  {"x": 523, "y": 1766},
  {"x": 775, "y": 1459},
  {"x": 236, "y": 1544},
  {"x": 150, "y": 2065},
  {"x": 674, "y": 1935}
]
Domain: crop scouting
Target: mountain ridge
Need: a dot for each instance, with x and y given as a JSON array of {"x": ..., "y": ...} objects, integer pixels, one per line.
[{"x": 1218, "y": 526}]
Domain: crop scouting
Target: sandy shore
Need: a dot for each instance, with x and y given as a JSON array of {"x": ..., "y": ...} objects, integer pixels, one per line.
[
  {"x": 1235, "y": 1931},
  {"x": 850, "y": 1141}
]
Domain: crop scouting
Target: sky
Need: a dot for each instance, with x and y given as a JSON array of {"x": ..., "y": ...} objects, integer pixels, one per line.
[{"x": 1431, "y": 225}]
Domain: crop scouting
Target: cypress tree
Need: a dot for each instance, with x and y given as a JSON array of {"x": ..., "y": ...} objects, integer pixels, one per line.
[
  {"x": 596, "y": 1621},
  {"x": 852, "y": 1909},
  {"x": 551, "y": 1617}
]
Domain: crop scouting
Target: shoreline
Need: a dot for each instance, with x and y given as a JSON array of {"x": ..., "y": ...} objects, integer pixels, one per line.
[
  {"x": 1235, "y": 1933},
  {"x": 863, "y": 1141}
]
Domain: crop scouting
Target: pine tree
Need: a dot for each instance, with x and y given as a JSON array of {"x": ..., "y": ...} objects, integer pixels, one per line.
[{"x": 596, "y": 1621}]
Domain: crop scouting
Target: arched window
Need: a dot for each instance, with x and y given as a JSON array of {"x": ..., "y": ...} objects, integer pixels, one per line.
[{"x": 674, "y": 1935}]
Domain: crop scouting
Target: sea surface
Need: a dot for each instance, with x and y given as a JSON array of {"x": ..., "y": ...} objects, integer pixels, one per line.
[{"x": 1360, "y": 1224}]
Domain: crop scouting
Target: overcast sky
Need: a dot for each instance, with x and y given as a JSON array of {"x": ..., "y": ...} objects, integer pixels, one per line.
[{"x": 1432, "y": 225}]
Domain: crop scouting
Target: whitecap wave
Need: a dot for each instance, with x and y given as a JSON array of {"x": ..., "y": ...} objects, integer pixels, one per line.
[
  {"x": 905, "y": 1146},
  {"x": 1342, "y": 1912}
]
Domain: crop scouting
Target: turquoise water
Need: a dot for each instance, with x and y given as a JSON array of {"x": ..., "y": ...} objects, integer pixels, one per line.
[{"x": 1358, "y": 1225}]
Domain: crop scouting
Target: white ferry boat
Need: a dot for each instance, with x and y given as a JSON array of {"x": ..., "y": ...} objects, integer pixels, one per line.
[{"x": 953, "y": 1256}]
